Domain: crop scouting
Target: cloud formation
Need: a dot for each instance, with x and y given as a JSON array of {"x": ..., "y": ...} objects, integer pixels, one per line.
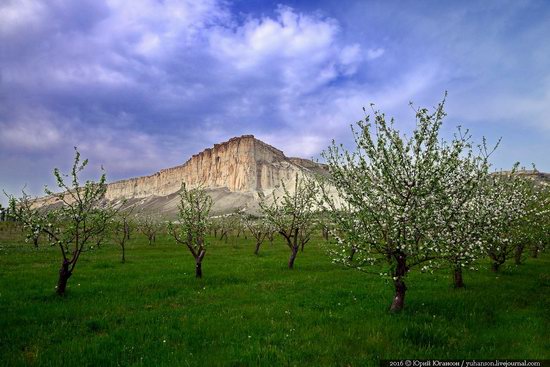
[{"x": 142, "y": 87}]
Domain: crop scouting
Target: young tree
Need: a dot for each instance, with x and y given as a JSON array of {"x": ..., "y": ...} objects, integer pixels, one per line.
[
  {"x": 510, "y": 198},
  {"x": 325, "y": 231},
  {"x": 541, "y": 236},
  {"x": 224, "y": 225},
  {"x": 24, "y": 208},
  {"x": 533, "y": 227},
  {"x": 460, "y": 225},
  {"x": 213, "y": 227},
  {"x": 121, "y": 226},
  {"x": 149, "y": 226},
  {"x": 239, "y": 225},
  {"x": 462, "y": 238},
  {"x": 70, "y": 225},
  {"x": 391, "y": 187},
  {"x": 271, "y": 234},
  {"x": 291, "y": 214},
  {"x": 257, "y": 227},
  {"x": 193, "y": 223}
]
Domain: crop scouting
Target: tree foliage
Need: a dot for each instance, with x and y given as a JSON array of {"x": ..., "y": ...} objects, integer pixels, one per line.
[
  {"x": 259, "y": 228},
  {"x": 516, "y": 215},
  {"x": 149, "y": 226},
  {"x": 291, "y": 213},
  {"x": 404, "y": 198},
  {"x": 121, "y": 225},
  {"x": 77, "y": 215},
  {"x": 193, "y": 223}
]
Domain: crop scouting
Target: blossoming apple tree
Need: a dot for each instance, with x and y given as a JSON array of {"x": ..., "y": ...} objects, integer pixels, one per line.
[
  {"x": 400, "y": 195},
  {"x": 78, "y": 215},
  {"x": 193, "y": 223},
  {"x": 291, "y": 213}
]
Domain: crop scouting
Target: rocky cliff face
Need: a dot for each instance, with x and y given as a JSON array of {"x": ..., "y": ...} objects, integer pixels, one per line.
[
  {"x": 243, "y": 164},
  {"x": 234, "y": 172}
]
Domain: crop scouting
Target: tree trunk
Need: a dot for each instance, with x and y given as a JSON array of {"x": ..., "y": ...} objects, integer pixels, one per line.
[
  {"x": 519, "y": 253},
  {"x": 64, "y": 275},
  {"x": 535, "y": 251},
  {"x": 292, "y": 257},
  {"x": 400, "y": 288},
  {"x": 257, "y": 251},
  {"x": 399, "y": 298},
  {"x": 495, "y": 266},
  {"x": 325, "y": 234},
  {"x": 352, "y": 253},
  {"x": 123, "y": 254},
  {"x": 198, "y": 268},
  {"x": 458, "y": 281},
  {"x": 35, "y": 241}
]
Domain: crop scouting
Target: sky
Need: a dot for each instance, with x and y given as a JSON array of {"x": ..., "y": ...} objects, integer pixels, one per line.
[{"x": 142, "y": 85}]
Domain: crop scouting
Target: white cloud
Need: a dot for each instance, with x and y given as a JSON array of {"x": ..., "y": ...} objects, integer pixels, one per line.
[
  {"x": 375, "y": 53},
  {"x": 124, "y": 150},
  {"x": 302, "y": 145},
  {"x": 302, "y": 51},
  {"x": 143, "y": 86},
  {"x": 32, "y": 131},
  {"x": 19, "y": 14},
  {"x": 118, "y": 148},
  {"x": 152, "y": 28}
]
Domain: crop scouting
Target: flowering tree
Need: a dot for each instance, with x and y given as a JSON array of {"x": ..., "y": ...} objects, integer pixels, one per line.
[
  {"x": 257, "y": 227},
  {"x": 461, "y": 222},
  {"x": 121, "y": 226},
  {"x": 533, "y": 228},
  {"x": 193, "y": 223},
  {"x": 239, "y": 224},
  {"x": 291, "y": 214},
  {"x": 23, "y": 209},
  {"x": 512, "y": 202},
  {"x": 541, "y": 231},
  {"x": 226, "y": 225},
  {"x": 397, "y": 192},
  {"x": 80, "y": 215},
  {"x": 149, "y": 226}
]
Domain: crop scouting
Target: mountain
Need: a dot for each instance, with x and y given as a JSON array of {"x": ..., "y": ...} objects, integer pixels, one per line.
[{"x": 234, "y": 173}]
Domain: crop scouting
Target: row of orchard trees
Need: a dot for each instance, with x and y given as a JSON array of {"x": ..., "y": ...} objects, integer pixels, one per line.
[
  {"x": 393, "y": 204},
  {"x": 421, "y": 202},
  {"x": 401, "y": 203}
]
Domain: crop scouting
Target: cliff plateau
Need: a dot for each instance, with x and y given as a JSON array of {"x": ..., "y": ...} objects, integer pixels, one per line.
[{"x": 234, "y": 173}]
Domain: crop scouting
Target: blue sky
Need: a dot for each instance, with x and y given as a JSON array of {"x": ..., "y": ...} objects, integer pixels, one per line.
[{"x": 141, "y": 85}]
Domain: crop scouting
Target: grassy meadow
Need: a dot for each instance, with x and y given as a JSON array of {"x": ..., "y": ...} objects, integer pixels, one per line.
[{"x": 252, "y": 310}]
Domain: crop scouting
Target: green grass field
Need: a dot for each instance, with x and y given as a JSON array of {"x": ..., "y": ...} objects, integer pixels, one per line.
[{"x": 252, "y": 310}]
